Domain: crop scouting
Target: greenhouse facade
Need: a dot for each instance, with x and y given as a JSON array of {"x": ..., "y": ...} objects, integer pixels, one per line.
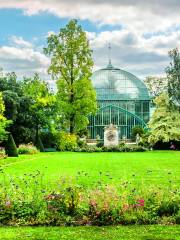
[{"x": 123, "y": 100}]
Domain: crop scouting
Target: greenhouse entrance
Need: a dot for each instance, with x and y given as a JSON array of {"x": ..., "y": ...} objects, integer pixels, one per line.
[{"x": 117, "y": 116}]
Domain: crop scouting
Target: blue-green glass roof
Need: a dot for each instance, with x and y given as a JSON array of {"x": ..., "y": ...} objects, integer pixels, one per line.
[{"x": 115, "y": 84}]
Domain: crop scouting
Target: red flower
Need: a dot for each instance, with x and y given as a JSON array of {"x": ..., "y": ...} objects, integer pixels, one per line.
[{"x": 140, "y": 203}]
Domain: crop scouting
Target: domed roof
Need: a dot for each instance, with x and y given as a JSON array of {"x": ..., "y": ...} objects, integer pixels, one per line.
[{"x": 116, "y": 84}]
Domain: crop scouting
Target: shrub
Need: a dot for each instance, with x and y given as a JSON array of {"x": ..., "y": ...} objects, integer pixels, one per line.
[
  {"x": 66, "y": 141},
  {"x": 137, "y": 130},
  {"x": 10, "y": 147},
  {"x": 27, "y": 149},
  {"x": 124, "y": 148},
  {"x": 100, "y": 144},
  {"x": 88, "y": 148},
  {"x": 2, "y": 153},
  {"x": 81, "y": 143},
  {"x": 121, "y": 148}
]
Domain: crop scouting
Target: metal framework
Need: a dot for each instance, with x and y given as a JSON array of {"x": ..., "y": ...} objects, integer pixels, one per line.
[{"x": 123, "y": 100}]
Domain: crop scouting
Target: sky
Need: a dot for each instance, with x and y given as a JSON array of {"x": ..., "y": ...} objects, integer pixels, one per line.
[{"x": 141, "y": 33}]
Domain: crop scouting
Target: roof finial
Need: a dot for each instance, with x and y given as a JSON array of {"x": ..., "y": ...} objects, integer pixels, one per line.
[{"x": 109, "y": 53}]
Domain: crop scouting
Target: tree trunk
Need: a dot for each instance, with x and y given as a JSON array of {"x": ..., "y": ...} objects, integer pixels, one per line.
[{"x": 71, "y": 128}]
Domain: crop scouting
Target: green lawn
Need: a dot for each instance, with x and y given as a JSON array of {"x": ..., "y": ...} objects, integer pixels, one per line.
[
  {"x": 92, "y": 233},
  {"x": 156, "y": 168}
]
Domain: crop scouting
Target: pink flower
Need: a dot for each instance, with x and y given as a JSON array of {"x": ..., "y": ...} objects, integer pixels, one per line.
[{"x": 140, "y": 203}]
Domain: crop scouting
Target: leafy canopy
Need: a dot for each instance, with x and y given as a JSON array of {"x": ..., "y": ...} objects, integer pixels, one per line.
[
  {"x": 42, "y": 100},
  {"x": 3, "y": 121},
  {"x": 165, "y": 122},
  {"x": 156, "y": 85},
  {"x": 71, "y": 65}
]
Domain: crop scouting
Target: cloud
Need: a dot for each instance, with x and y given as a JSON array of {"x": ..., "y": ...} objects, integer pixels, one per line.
[
  {"x": 139, "y": 16},
  {"x": 20, "y": 42},
  {"x": 149, "y": 29},
  {"x": 23, "y": 58},
  {"x": 139, "y": 55}
]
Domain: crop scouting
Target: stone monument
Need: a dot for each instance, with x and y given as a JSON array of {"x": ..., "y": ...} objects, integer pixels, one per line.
[{"x": 111, "y": 137}]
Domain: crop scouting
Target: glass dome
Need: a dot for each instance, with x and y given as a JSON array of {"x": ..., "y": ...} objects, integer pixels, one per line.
[{"x": 116, "y": 84}]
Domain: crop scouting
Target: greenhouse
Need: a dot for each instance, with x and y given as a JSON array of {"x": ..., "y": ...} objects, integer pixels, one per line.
[{"x": 123, "y": 100}]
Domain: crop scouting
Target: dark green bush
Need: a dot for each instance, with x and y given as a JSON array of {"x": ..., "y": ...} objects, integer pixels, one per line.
[
  {"x": 100, "y": 144},
  {"x": 81, "y": 143},
  {"x": 10, "y": 147},
  {"x": 137, "y": 130}
]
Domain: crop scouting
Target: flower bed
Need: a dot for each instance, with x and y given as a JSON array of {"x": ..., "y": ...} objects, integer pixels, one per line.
[{"x": 27, "y": 201}]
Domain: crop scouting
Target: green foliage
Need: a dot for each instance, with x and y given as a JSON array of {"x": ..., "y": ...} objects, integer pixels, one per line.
[
  {"x": 27, "y": 201},
  {"x": 42, "y": 101},
  {"x": 156, "y": 85},
  {"x": 29, "y": 104},
  {"x": 144, "y": 140},
  {"x": 66, "y": 141},
  {"x": 10, "y": 147},
  {"x": 81, "y": 143},
  {"x": 27, "y": 149},
  {"x": 173, "y": 75},
  {"x": 164, "y": 124},
  {"x": 137, "y": 130},
  {"x": 71, "y": 65},
  {"x": 38, "y": 143},
  {"x": 11, "y": 101},
  {"x": 2, "y": 154},
  {"x": 3, "y": 121},
  {"x": 49, "y": 139},
  {"x": 121, "y": 148}
]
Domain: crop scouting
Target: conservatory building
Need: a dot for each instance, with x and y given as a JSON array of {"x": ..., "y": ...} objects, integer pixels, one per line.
[{"x": 123, "y": 100}]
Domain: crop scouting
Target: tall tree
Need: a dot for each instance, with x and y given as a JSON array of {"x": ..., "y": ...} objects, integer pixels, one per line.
[
  {"x": 71, "y": 65},
  {"x": 165, "y": 122},
  {"x": 173, "y": 75}
]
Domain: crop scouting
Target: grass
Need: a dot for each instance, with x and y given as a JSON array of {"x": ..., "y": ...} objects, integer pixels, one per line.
[
  {"x": 159, "y": 168},
  {"x": 95, "y": 233}
]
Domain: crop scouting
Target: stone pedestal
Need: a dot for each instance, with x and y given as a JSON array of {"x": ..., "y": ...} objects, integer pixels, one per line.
[{"x": 111, "y": 136}]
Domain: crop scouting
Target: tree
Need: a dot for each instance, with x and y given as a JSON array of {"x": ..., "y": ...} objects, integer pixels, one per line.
[
  {"x": 10, "y": 147},
  {"x": 11, "y": 100},
  {"x": 165, "y": 122},
  {"x": 27, "y": 105},
  {"x": 3, "y": 121},
  {"x": 156, "y": 85},
  {"x": 38, "y": 143},
  {"x": 71, "y": 65},
  {"x": 173, "y": 75},
  {"x": 42, "y": 102}
]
